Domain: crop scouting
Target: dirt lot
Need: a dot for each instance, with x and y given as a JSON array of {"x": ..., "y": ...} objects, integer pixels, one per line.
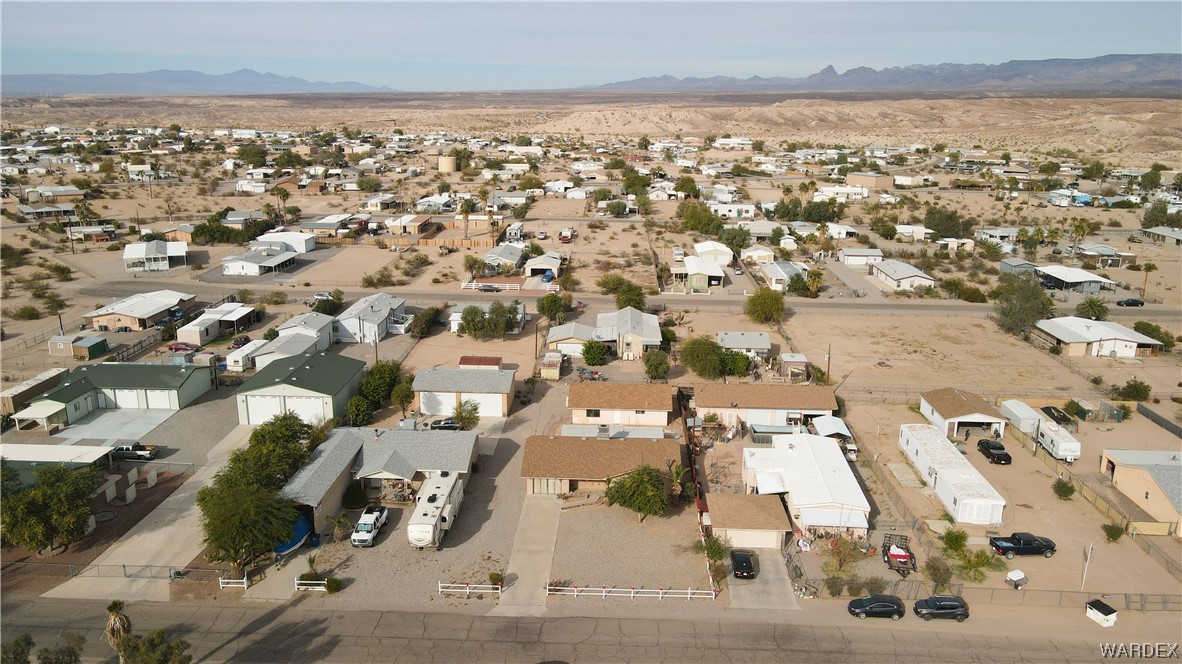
[
  {"x": 1031, "y": 506},
  {"x": 585, "y": 554}
]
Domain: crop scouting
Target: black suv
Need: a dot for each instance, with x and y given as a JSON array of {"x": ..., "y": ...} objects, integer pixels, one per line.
[
  {"x": 942, "y": 606},
  {"x": 994, "y": 451},
  {"x": 877, "y": 606}
]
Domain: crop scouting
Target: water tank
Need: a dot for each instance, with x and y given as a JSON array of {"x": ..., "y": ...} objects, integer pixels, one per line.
[{"x": 447, "y": 165}]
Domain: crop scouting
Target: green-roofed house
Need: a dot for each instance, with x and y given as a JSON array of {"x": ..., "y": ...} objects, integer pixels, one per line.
[
  {"x": 116, "y": 385},
  {"x": 315, "y": 386}
]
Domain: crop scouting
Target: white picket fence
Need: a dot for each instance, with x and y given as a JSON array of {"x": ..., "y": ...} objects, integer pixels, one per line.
[
  {"x": 631, "y": 593},
  {"x": 467, "y": 589},
  {"x": 472, "y": 285},
  {"x": 224, "y": 582},
  {"x": 321, "y": 586}
]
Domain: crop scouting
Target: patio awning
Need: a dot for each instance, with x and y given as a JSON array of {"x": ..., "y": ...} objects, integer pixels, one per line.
[
  {"x": 815, "y": 517},
  {"x": 827, "y": 425},
  {"x": 40, "y": 410}
]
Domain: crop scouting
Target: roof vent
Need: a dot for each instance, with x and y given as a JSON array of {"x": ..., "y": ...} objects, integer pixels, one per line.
[{"x": 432, "y": 498}]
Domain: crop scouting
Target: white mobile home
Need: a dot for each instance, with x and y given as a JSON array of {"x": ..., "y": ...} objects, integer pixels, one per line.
[{"x": 967, "y": 496}]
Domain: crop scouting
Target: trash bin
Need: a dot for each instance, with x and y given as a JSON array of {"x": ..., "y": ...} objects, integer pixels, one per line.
[{"x": 314, "y": 540}]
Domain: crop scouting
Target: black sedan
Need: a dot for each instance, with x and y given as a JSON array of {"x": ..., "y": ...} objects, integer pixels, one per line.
[
  {"x": 994, "y": 451},
  {"x": 877, "y": 606},
  {"x": 743, "y": 564},
  {"x": 1130, "y": 302},
  {"x": 444, "y": 425},
  {"x": 942, "y": 606}
]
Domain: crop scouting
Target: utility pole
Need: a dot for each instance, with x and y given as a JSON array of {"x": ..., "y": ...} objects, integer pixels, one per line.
[{"x": 828, "y": 357}]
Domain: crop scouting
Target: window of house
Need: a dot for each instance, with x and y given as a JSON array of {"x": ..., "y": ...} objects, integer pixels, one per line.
[
  {"x": 592, "y": 412},
  {"x": 1146, "y": 495},
  {"x": 640, "y": 412}
]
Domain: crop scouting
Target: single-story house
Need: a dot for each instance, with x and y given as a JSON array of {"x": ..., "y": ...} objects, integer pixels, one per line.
[
  {"x": 900, "y": 276},
  {"x": 757, "y": 254},
  {"x": 257, "y": 262},
  {"x": 852, "y": 256},
  {"x": 370, "y": 319},
  {"x": 313, "y": 324},
  {"x": 569, "y": 338},
  {"x": 751, "y": 344},
  {"x": 698, "y": 274},
  {"x": 116, "y": 385},
  {"x": 779, "y": 273},
  {"x": 1163, "y": 234},
  {"x": 966, "y": 495},
  {"x": 302, "y": 334},
  {"x": 748, "y": 520},
  {"x": 714, "y": 252},
  {"x": 1081, "y": 337},
  {"x": 242, "y": 359},
  {"x": 101, "y": 233},
  {"x": 766, "y": 405},
  {"x": 286, "y": 241},
  {"x": 378, "y": 202},
  {"x": 629, "y": 332},
  {"x": 77, "y": 346},
  {"x": 870, "y": 180},
  {"x": 1105, "y": 256},
  {"x": 439, "y": 391},
  {"x": 634, "y": 404},
  {"x": 457, "y": 315},
  {"x": 240, "y": 218},
  {"x": 154, "y": 256},
  {"x": 225, "y": 319},
  {"x": 505, "y": 254},
  {"x": 912, "y": 233},
  {"x": 558, "y": 464},
  {"x": 140, "y": 311},
  {"x": 949, "y": 409},
  {"x": 408, "y": 224},
  {"x": 1062, "y": 277},
  {"x": 1151, "y": 480},
  {"x": 813, "y": 475},
  {"x": 315, "y": 386},
  {"x": 1015, "y": 265}
]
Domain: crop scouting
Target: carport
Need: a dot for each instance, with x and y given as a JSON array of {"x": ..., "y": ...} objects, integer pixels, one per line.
[{"x": 43, "y": 413}]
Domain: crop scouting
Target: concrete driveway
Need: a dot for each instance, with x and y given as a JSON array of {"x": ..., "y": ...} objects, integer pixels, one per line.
[
  {"x": 115, "y": 424},
  {"x": 770, "y": 589}
]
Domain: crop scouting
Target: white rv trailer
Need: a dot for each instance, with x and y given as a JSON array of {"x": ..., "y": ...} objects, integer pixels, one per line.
[{"x": 436, "y": 508}]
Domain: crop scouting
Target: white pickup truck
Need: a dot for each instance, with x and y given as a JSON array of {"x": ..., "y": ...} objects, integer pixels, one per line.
[{"x": 369, "y": 525}]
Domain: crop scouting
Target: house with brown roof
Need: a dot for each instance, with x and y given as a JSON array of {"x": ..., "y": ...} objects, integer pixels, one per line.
[
  {"x": 562, "y": 464},
  {"x": 763, "y": 404},
  {"x": 750, "y": 521},
  {"x": 634, "y": 404},
  {"x": 951, "y": 410}
]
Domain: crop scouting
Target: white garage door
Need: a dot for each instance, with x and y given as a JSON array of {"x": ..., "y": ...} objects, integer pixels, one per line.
[
  {"x": 309, "y": 409},
  {"x": 753, "y": 539},
  {"x": 571, "y": 349},
  {"x": 159, "y": 399},
  {"x": 490, "y": 404},
  {"x": 127, "y": 399},
  {"x": 437, "y": 403},
  {"x": 259, "y": 409}
]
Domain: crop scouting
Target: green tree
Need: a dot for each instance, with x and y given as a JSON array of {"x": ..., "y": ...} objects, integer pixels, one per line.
[
  {"x": 276, "y": 450},
  {"x": 1092, "y": 307},
  {"x": 601, "y": 194},
  {"x": 946, "y": 222},
  {"x": 241, "y": 522},
  {"x": 1158, "y": 214},
  {"x": 69, "y": 652},
  {"x": 17, "y": 650},
  {"x": 271, "y": 334},
  {"x": 642, "y": 491},
  {"x": 403, "y": 393},
  {"x": 553, "y": 308},
  {"x": 765, "y": 306},
  {"x": 1156, "y": 332},
  {"x": 630, "y": 295},
  {"x": 118, "y": 626},
  {"x": 617, "y": 209},
  {"x": 1094, "y": 170},
  {"x": 467, "y": 414},
  {"x": 644, "y": 143},
  {"x": 369, "y": 183},
  {"x": 703, "y": 356},
  {"x": 55, "y": 509},
  {"x": 252, "y": 155},
  {"x": 523, "y": 141},
  {"x": 501, "y": 319},
  {"x": 423, "y": 321},
  {"x": 289, "y": 159},
  {"x": 530, "y": 182},
  {"x": 735, "y": 363},
  {"x": 1135, "y": 390},
  {"x": 1151, "y": 180},
  {"x": 656, "y": 364},
  {"x": 1049, "y": 168},
  {"x": 155, "y": 648},
  {"x": 1019, "y": 303},
  {"x": 595, "y": 353},
  {"x": 474, "y": 322},
  {"x": 686, "y": 185},
  {"x": 736, "y": 239},
  {"x": 359, "y": 410}
]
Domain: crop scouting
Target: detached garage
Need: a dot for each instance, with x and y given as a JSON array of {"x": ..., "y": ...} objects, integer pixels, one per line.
[
  {"x": 314, "y": 386},
  {"x": 439, "y": 391},
  {"x": 748, "y": 521}
]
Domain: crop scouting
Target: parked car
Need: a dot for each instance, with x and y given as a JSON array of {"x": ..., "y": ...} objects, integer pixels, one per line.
[
  {"x": 322, "y": 295},
  {"x": 541, "y": 235},
  {"x": 738, "y": 270},
  {"x": 877, "y": 606},
  {"x": 365, "y": 533},
  {"x": 994, "y": 451},
  {"x": 239, "y": 342},
  {"x": 1130, "y": 302},
  {"x": 488, "y": 288},
  {"x": 743, "y": 564},
  {"x": 182, "y": 347},
  {"x": 1022, "y": 544},
  {"x": 942, "y": 606},
  {"x": 447, "y": 424},
  {"x": 135, "y": 452}
]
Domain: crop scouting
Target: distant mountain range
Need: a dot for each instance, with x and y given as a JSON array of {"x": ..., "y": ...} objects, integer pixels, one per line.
[
  {"x": 172, "y": 82},
  {"x": 1155, "y": 71}
]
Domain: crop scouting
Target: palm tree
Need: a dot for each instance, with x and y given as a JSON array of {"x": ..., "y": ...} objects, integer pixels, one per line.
[
  {"x": 1079, "y": 230},
  {"x": 339, "y": 523},
  {"x": 118, "y": 626},
  {"x": 1092, "y": 307},
  {"x": 467, "y": 207},
  {"x": 282, "y": 194},
  {"x": 1147, "y": 268},
  {"x": 812, "y": 279}
]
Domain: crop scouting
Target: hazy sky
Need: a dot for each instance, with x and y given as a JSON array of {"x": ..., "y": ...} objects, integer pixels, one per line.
[{"x": 495, "y": 45}]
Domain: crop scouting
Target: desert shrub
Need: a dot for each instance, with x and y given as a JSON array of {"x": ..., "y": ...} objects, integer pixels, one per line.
[
  {"x": 274, "y": 297},
  {"x": 854, "y": 586},
  {"x": 1134, "y": 390},
  {"x": 938, "y": 571},
  {"x": 834, "y": 584},
  {"x": 954, "y": 540},
  {"x": 1112, "y": 532},
  {"x": 1063, "y": 489},
  {"x": 333, "y": 585},
  {"x": 355, "y": 497},
  {"x": 496, "y": 578},
  {"x": 875, "y": 585},
  {"x": 309, "y": 576},
  {"x": 26, "y": 312},
  {"x": 715, "y": 549}
]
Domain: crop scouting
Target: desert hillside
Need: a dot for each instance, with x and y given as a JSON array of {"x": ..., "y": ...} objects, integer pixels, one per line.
[{"x": 1127, "y": 131}]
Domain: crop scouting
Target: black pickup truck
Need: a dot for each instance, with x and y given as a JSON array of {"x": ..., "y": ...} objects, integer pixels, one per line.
[{"x": 1022, "y": 544}]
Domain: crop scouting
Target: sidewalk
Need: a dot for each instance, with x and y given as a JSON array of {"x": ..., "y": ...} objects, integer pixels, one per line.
[
  {"x": 168, "y": 537},
  {"x": 528, "y": 571}
]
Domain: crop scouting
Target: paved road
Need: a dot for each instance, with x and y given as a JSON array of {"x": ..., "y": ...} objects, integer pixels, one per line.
[{"x": 659, "y": 633}]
